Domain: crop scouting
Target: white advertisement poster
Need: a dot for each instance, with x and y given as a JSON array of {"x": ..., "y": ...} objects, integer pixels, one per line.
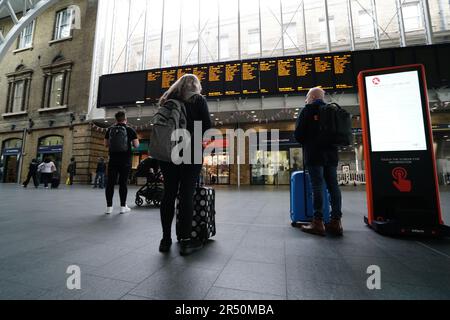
[{"x": 395, "y": 112}]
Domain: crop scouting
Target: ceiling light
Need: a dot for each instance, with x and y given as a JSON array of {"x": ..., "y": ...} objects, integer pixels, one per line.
[
  {"x": 255, "y": 116},
  {"x": 106, "y": 121},
  {"x": 253, "y": 111},
  {"x": 217, "y": 119},
  {"x": 138, "y": 119},
  {"x": 212, "y": 114}
]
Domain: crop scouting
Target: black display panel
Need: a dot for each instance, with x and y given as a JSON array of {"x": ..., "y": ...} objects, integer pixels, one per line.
[
  {"x": 121, "y": 89},
  {"x": 362, "y": 61},
  {"x": 153, "y": 88},
  {"x": 403, "y": 57},
  {"x": 323, "y": 67},
  {"x": 383, "y": 58},
  {"x": 233, "y": 76},
  {"x": 216, "y": 78},
  {"x": 250, "y": 77},
  {"x": 444, "y": 64},
  {"x": 343, "y": 71},
  {"x": 287, "y": 75},
  {"x": 181, "y": 71},
  {"x": 268, "y": 76},
  {"x": 427, "y": 57}
]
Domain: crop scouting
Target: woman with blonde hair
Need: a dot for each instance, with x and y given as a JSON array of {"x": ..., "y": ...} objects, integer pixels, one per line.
[{"x": 181, "y": 179}]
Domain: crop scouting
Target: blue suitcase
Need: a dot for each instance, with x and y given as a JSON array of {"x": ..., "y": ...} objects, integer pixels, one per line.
[{"x": 302, "y": 199}]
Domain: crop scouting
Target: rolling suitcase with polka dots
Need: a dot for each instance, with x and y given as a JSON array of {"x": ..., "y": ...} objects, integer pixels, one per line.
[{"x": 204, "y": 218}]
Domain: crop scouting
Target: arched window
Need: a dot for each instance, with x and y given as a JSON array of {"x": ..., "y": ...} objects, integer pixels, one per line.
[
  {"x": 12, "y": 144},
  {"x": 50, "y": 141}
]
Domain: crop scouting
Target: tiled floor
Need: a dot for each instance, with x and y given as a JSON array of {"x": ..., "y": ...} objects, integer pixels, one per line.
[{"x": 255, "y": 255}]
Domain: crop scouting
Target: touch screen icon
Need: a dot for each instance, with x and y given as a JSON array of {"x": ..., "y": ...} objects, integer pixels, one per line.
[
  {"x": 376, "y": 81},
  {"x": 401, "y": 183}
]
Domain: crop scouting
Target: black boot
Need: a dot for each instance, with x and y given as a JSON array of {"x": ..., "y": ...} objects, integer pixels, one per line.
[
  {"x": 190, "y": 246},
  {"x": 165, "y": 245}
]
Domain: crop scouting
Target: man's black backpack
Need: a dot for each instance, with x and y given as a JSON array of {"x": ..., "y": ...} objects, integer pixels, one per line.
[
  {"x": 118, "y": 139},
  {"x": 335, "y": 125}
]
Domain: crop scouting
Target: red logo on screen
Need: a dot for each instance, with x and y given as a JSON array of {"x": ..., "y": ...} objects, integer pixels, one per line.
[
  {"x": 376, "y": 81},
  {"x": 401, "y": 183}
]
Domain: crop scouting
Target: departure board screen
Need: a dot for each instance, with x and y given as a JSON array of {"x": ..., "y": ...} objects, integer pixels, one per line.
[
  {"x": 121, "y": 89},
  {"x": 250, "y": 77},
  {"x": 233, "y": 75},
  {"x": 168, "y": 78},
  {"x": 287, "y": 75},
  {"x": 343, "y": 71},
  {"x": 201, "y": 72},
  {"x": 305, "y": 73},
  {"x": 268, "y": 75},
  {"x": 182, "y": 71},
  {"x": 274, "y": 76},
  {"x": 153, "y": 91},
  {"x": 323, "y": 67},
  {"x": 216, "y": 77}
]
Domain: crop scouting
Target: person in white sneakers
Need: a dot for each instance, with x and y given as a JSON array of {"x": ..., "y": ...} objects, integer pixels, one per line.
[{"x": 119, "y": 139}]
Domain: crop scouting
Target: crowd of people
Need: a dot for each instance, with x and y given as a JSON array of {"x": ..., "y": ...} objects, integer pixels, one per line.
[{"x": 180, "y": 180}]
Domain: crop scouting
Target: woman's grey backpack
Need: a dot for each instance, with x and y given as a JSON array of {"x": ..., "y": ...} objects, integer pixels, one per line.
[{"x": 171, "y": 116}]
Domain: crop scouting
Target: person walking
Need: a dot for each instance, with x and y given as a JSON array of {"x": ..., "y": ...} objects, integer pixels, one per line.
[
  {"x": 99, "y": 180},
  {"x": 321, "y": 160},
  {"x": 47, "y": 169},
  {"x": 119, "y": 139},
  {"x": 72, "y": 170},
  {"x": 180, "y": 179},
  {"x": 32, "y": 174}
]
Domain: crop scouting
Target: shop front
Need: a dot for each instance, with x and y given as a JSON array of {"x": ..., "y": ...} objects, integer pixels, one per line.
[
  {"x": 10, "y": 160},
  {"x": 274, "y": 167},
  {"x": 216, "y": 166},
  {"x": 51, "y": 147}
]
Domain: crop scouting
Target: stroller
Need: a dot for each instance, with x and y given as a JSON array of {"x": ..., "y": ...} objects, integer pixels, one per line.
[{"x": 153, "y": 189}]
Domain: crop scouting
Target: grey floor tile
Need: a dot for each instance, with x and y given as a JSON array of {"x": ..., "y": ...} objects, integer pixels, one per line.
[
  {"x": 177, "y": 282},
  {"x": 314, "y": 290},
  {"x": 254, "y": 276},
  {"x": 217, "y": 293},
  {"x": 17, "y": 291}
]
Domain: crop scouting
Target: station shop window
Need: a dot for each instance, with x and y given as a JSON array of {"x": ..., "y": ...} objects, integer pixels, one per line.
[
  {"x": 271, "y": 168},
  {"x": 18, "y": 93}
]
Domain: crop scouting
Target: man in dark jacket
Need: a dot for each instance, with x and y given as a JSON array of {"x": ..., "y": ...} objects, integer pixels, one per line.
[
  {"x": 72, "y": 170},
  {"x": 32, "y": 173},
  {"x": 100, "y": 174},
  {"x": 321, "y": 160}
]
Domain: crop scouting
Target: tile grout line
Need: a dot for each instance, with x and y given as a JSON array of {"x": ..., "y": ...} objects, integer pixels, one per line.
[{"x": 432, "y": 249}]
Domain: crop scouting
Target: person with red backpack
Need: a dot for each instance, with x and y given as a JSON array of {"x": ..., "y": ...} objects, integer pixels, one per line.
[{"x": 119, "y": 138}]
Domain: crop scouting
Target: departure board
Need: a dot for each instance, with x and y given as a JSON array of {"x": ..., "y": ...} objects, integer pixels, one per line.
[
  {"x": 274, "y": 76},
  {"x": 216, "y": 77},
  {"x": 287, "y": 75},
  {"x": 201, "y": 72},
  {"x": 250, "y": 77},
  {"x": 233, "y": 75},
  {"x": 168, "y": 78},
  {"x": 268, "y": 75},
  {"x": 305, "y": 73},
  {"x": 323, "y": 67},
  {"x": 343, "y": 71},
  {"x": 153, "y": 91},
  {"x": 182, "y": 71}
]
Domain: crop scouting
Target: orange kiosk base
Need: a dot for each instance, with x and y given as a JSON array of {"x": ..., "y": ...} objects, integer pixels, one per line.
[{"x": 402, "y": 185}]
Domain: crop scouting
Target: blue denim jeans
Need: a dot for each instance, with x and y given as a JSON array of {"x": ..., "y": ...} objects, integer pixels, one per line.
[
  {"x": 327, "y": 174},
  {"x": 99, "y": 180}
]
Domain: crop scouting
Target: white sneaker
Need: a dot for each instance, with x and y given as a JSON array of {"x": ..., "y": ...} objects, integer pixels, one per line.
[
  {"x": 124, "y": 210},
  {"x": 109, "y": 210}
]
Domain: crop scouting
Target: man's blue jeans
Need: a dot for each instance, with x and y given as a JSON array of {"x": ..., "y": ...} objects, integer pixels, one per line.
[{"x": 328, "y": 175}]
